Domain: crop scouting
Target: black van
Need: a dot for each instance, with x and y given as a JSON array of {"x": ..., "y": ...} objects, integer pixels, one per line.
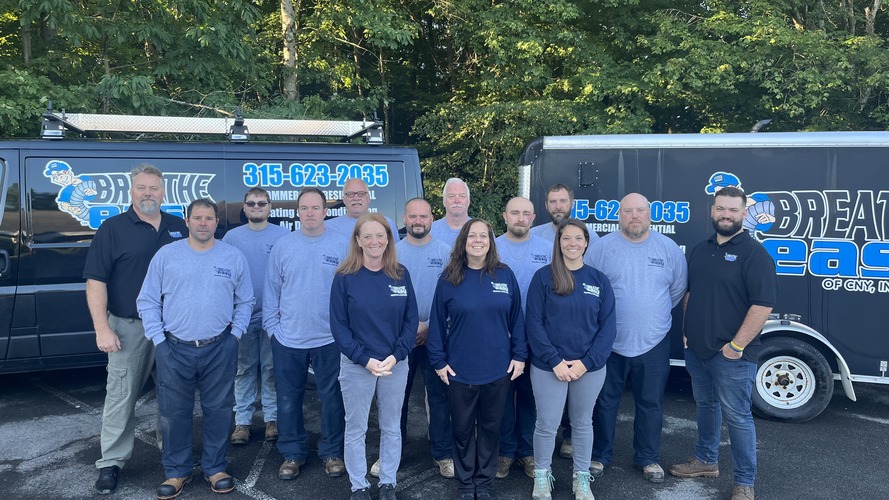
[{"x": 56, "y": 193}]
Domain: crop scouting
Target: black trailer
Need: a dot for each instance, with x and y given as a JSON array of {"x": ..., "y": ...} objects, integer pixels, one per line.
[
  {"x": 55, "y": 192},
  {"x": 818, "y": 202}
]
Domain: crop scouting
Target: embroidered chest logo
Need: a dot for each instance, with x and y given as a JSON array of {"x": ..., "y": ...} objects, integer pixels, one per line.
[
  {"x": 436, "y": 262},
  {"x": 500, "y": 287},
  {"x": 539, "y": 258},
  {"x": 730, "y": 257},
  {"x": 268, "y": 247},
  {"x": 590, "y": 290},
  {"x": 222, "y": 272},
  {"x": 175, "y": 234},
  {"x": 330, "y": 260},
  {"x": 397, "y": 291},
  {"x": 656, "y": 262}
]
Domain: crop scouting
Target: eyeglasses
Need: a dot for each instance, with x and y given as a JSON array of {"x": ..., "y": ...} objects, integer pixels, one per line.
[
  {"x": 260, "y": 204},
  {"x": 353, "y": 194}
]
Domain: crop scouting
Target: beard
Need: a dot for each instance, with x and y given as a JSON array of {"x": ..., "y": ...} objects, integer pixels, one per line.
[
  {"x": 419, "y": 232},
  {"x": 149, "y": 207},
  {"x": 558, "y": 217},
  {"x": 730, "y": 230},
  {"x": 257, "y": 219},
  {"x": 518, "y": 231},
  {"x": 634, "y": 234}
]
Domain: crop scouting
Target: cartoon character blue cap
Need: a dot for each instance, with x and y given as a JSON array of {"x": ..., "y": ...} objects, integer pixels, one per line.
[
  {"x": 722, "y": 179},
  {"x": 55, "y": 166}
]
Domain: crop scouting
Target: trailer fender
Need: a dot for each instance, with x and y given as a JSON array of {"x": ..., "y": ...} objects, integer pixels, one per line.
[{"x": 774, "y": 327}]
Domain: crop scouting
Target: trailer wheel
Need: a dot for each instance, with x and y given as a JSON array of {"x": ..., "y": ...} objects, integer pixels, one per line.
[{"x": 793, "y": 383}]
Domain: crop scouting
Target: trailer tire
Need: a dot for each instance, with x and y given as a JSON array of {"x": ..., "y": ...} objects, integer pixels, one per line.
[{"x": 793, "y": 383}]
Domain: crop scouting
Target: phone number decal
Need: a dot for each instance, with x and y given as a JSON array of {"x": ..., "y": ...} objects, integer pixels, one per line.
[
  {"x": 313, "y": 174},
  {"x": 609, "y": 210}
]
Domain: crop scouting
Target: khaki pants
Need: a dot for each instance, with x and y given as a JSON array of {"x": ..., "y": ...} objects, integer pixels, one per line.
[{"x": 128, "y": 370}]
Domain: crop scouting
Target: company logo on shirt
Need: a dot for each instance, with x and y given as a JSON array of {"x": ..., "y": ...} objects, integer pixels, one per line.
[
  {"x": 268, "y": 247},
  {"x": 731, "y": 257},
  {"x": 436, "y": 262},
  {"x": 330, "y": 260},
  {"x": 175, "y": 234},
  {"x": 500, "y": 287},
  {"x": 656, "y": 262},
  {"x": 539, "y": 258},
  {"x": 222, "y": 272},
  {"x": 397, "y": 291},
  {"x": 590, "y": 290}
]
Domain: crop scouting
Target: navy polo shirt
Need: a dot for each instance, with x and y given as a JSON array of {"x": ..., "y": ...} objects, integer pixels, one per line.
[
  {"x": 120, "y": 253},
  {"x": 723, "y": 282}
]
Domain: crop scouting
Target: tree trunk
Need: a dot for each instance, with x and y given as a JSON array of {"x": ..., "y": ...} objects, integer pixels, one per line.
[
  {"x": 870, "y": 14},
  {"x": 26, "y": 42},
  {"x": 288, "y": 28}
]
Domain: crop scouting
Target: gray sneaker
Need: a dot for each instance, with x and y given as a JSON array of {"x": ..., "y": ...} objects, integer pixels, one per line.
[
  {"x": 742, "y": 493},
  {"x": 580, "y": 486},
  {"x": 597, "y": 469},
  {"x": 445, "y": 467},
  {"x": 543, "y": 485},
  {"x": 654, "y": 473},
  {"x": 694, "y": 468}
]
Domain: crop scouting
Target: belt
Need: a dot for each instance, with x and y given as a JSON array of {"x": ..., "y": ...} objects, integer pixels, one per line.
[{"x": 199, "y": 343}]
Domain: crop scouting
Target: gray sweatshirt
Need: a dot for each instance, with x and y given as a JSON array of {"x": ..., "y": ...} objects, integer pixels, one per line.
[
  {"x": 649, "y": 279},
  {"x": 524, "y": 259},
  {"x": 256, "y": 247},
  {"x": 195, "y": 295},
  {"x": 425, "y": 264},
  {"x": 296, "y": 300}
]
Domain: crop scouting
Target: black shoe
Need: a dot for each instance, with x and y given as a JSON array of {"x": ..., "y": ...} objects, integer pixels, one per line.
[
  {"x": 361, "y": 494},
  {"x": 387, "y": 492},
  {"x": 484, "y": 495},
  {"x": 107, "y": 482},
  {"x": 466, "y": 495}
]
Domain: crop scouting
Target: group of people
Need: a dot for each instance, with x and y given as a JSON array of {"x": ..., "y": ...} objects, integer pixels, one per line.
[{"x": 514, "y": 336}]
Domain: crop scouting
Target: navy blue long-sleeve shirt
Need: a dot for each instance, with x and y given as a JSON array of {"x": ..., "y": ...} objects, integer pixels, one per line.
[
  {"x": 373, "y": 316},
  {"x": 486, "y": 329},
  {"x": 580, "y": 325}
]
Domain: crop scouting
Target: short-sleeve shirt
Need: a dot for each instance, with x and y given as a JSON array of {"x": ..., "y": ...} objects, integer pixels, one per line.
[
  {"x": 120, "y": 254},
  {"x": 723, "y": 282}
]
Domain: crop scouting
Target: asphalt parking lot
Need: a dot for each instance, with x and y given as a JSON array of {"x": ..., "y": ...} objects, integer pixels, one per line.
[{"x": 49, "y": 426}]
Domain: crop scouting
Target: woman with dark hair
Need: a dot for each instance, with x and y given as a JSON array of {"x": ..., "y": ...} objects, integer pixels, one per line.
[
  {"x": 476, "y": 345},
  {"x": 373, "y": 318},
  {"x": 571, "y": 328}
]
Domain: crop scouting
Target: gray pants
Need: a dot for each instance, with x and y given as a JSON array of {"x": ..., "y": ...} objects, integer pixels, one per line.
[
  {"x": 358, "y": 386},
  {"x": 128, "y": 370},
  {"x": 550, "y": 394}
]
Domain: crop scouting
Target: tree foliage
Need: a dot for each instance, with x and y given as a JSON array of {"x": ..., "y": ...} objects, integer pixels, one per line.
[{"x": 469, "y": 82}]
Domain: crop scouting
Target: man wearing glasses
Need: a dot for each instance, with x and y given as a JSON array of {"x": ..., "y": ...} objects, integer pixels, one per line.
[
  {"x": 356, "y": 198},
  {"x": 255, "y": 240}
]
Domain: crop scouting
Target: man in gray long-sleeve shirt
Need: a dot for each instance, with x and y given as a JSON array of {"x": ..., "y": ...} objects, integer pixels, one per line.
[
  {"x": 648, "y": 273},
  {"x": 296, "y": 315},
  {"x": 195, "y": 304}
]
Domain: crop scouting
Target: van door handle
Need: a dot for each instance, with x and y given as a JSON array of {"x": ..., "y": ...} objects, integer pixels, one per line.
[{"x": 4, "y": 262}]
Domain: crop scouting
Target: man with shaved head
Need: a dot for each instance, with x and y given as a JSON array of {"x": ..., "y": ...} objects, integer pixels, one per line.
[{"x": 649, "y": 274}]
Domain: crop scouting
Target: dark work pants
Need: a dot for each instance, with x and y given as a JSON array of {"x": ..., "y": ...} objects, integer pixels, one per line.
[
  {"x": 437, "y": 394},
  {"x": 182, "y": 368},
  {"x": 519, "y": 419},
  {"x": 649, "y": 373},
  {"x": 476, "y": 413}
]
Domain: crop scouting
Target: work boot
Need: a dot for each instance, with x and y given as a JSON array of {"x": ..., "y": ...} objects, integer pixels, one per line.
[
  {"x": 742, "y": 493},
  {"x": 290, "y": 469},
  {"x": 445, "y": 467},
  {"x": 694, "y": 468},
  {"x": 241, "y": 435},
  {"x": 334, "y": 467},
  {"x": 271, "y": 431},
  {"x": 503, "y": 466},
  {"x": 654, "y": 473},
  {"x": 597, "y": 469},
  {"x": 580, "y": 485}
]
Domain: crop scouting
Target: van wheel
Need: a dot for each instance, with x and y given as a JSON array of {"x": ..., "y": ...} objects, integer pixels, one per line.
[{"x": 793, "y": 383}]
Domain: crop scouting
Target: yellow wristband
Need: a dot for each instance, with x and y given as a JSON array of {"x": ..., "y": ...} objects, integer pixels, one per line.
[{"x": 735, "y": 347}]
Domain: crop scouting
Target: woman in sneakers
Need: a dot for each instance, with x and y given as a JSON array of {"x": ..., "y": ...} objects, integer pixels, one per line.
[
  {"x": 476, "y": 345},
  {"x": 373, "y": 318},
  {"x": 571, "y": 326}
]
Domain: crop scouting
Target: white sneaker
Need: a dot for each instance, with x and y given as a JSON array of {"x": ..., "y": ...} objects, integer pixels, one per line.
[
  {"x": 581, "y": 486},
  {"x": 543, "y": 485},
  {"x": 375, "y": 469},
  {"x": 445, "y": 467}
]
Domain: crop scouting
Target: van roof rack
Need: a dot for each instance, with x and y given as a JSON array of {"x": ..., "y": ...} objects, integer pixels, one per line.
[{"x": 237, "y": 129}]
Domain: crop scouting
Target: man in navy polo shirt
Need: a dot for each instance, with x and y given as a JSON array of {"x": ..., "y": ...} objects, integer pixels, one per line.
[
  {"x": 115, "y": 267},
  {"x": 732, "y": 288}
]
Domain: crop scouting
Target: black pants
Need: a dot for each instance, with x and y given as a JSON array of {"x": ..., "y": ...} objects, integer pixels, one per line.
[{"x": 476, "y": 413}]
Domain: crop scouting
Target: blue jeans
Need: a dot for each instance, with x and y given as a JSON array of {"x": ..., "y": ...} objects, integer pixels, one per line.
[
  {"x": 182, "y": 368},
  {"x": 722, "y": 388},
  {"x": 255, "y": 359},
  {"x": 291, "y": 373},
  {"x": 519, "y": 419},
  {"x": 649, "y": 373},
  {"x": 437, "y": 396}
]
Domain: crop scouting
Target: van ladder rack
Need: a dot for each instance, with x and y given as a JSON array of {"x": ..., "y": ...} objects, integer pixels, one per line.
[{"x": 55, "y": 125}]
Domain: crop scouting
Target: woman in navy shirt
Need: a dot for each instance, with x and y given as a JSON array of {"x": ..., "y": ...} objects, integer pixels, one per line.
[
  {"x": 571, "y": 328},
  {"x": 373, "y": 318},
  {"x": 477, "y": 346}
]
